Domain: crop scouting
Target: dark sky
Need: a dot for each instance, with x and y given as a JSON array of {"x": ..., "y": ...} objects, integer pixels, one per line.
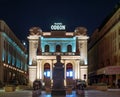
[{"x": 21, "y": 15}]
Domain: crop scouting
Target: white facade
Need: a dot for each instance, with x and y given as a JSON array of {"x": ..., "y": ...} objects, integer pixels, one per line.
[{"x": 45, "y": 46}]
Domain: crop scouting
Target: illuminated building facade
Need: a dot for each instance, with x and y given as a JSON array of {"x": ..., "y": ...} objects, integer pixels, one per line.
[
  {"x": 104, "y": 51},
  {"x": 45, "y": 46},
  {"x": 13, "y": 57}
]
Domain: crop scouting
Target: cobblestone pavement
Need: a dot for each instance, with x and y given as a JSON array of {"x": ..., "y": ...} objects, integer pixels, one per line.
[
  {"x": 95, "y": 93},
  {"x": 26, "y": 93},
  {"x": 88, "y": 93}
]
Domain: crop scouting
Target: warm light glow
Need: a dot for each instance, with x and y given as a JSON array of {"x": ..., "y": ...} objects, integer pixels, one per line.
[
  {"x": 64, "y": 82},
  {"x": 4, "y": 64},
  {"x": 69, "y": 34},
  {"x": 32, "y": 74},
  {"x": 45, "y": 34},
  {"x": 52, "y": 46}
]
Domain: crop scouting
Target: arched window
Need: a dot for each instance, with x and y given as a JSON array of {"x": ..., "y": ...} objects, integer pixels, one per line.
[
  {"x": 69, "y": 70},
  {"x": 46, "y": 70},
  {"x": 58, "y": 48},
  {"x": 46, "y": 48},
  {"x": 69, "y": 48}
]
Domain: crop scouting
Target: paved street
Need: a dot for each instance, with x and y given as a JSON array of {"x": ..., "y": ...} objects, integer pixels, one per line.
[
  {"x": 88, "y": 93},
  {"x": 95, "y": 93},
  {"x": 25, "y": 93}
]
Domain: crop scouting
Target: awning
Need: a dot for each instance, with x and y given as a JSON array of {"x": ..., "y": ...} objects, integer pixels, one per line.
[
  {"x": 110, "y": 70},
  {"x": 92, "y": 74}
]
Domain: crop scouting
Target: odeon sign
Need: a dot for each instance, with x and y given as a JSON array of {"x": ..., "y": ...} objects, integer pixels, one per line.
[{"x": 57, "y": 26}]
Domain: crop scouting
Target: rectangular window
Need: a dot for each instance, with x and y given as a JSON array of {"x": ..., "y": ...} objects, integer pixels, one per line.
[
  {"x": 119, "y": 45},
  {"x": 71, "y": 73},
  {"x": 48, "y": 73},
  {"x": 119, "y": 30}
]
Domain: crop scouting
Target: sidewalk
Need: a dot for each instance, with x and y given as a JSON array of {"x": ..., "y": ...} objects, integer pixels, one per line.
[
  {"x": 17, "y": 93},
  {"x": 88, "y": 93},
  {"x": 28, "y": 93},
  {"x": 97, "y": 93},
  {"x": 113, "y": 89}
]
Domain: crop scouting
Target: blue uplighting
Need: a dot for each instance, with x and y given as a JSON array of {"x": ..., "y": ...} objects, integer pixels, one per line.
[
  {"x": 14, "y": 55},
  {"x": 69, "y": 73},
  {"x": 3, "y": 56},
  {"x": 47, "y": 73},
  {"x": 63, "y": 42},
  {"x": 13, "y": 43}
]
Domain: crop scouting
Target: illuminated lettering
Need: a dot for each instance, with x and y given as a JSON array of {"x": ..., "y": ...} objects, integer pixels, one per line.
[{"x": 57, "y": 26}]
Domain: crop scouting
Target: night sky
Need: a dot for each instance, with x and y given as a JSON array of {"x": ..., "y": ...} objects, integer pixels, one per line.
[{"x": 21, "y": 15}]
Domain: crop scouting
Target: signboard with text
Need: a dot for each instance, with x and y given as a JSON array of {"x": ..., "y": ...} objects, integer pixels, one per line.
[{"x": 58, "y": 26}]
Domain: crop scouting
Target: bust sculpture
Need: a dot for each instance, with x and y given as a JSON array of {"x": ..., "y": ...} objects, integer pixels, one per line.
[{"x": 58, "y": 77}]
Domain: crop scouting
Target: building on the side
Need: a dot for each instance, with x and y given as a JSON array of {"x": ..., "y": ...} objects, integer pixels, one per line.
[
  {"x": 104, "y": 51},
  {"x": 13, "y": 57},
  {"x": 45, "y": 46}
]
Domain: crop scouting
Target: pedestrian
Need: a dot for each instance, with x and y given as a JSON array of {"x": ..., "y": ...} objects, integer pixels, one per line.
[
  {"x": 113, "y": 84},
  {"x": 118, "y": 83}
]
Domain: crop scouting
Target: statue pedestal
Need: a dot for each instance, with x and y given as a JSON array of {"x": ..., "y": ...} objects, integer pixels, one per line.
[
  {"x": 58, "y": 92},
  {"x": 58, "y": 79}
]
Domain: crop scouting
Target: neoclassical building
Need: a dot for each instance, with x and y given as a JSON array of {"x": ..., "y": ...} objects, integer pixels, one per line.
[
  {"x": 13, "y": 57},
  {"x": 45, "y": 46}
]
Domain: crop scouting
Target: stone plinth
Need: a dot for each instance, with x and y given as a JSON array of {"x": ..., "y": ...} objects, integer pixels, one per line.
[
  {"x": 58, "y": 92},
  {"x": 58, "y": 78}
]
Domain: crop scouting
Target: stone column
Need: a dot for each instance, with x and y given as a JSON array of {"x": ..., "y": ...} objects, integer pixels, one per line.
[
  {"x": 38, "y": 69},
  {"x": 51, "y": 69},
  {"x": 32, "y": 74},
  {"x": 41, "y": 70},
  {"x": 84, "y": 51},
  {"x": 78, "y": 69},
  {"x": 33, "y": 45},
  {"x": 82, "y": 45},
  {"x": 64, "y": 69}
]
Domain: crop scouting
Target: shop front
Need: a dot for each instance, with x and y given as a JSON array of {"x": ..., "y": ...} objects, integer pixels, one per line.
[{"x": 109, "y": 75}]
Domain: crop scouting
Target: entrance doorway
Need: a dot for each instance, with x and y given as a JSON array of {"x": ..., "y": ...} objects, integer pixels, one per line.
[{"x": 47, "y": 80}]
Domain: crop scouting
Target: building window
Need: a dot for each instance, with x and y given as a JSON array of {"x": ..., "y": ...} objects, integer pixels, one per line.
[
  {"x": 119, "y": 45},
  {"x": 58, "y": 48},
  {"x": 69, "y": 48},
  {"x": 119, "y": 58},
  {"x": 119, "y": 31},
  {"x": 47, "y": 70},
  {"x": 46, "y": 48},
  {"x": 69, "y": 70}
]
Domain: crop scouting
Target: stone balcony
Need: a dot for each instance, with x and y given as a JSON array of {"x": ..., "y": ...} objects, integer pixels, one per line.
[{"x": 59, "y": 53}]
